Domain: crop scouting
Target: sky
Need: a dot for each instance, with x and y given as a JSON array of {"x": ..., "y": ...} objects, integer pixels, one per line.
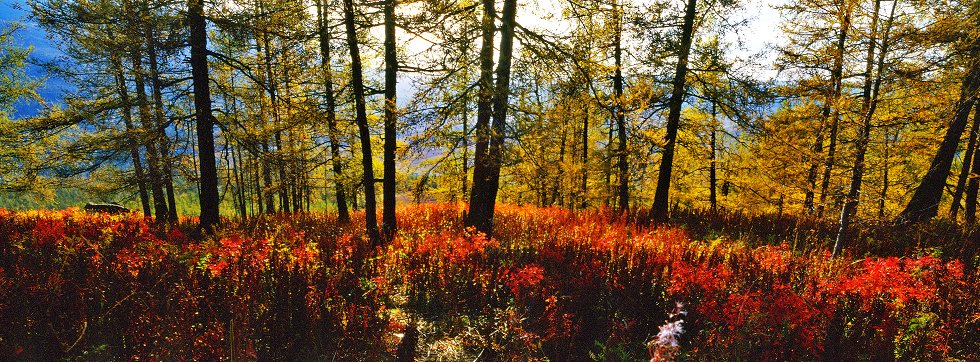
[
  {"x": 43, "y": 50},
  {"x": 761, "y": 31}
]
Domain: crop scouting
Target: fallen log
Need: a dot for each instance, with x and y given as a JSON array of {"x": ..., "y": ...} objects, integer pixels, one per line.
[{"x": 111, "y": 208}]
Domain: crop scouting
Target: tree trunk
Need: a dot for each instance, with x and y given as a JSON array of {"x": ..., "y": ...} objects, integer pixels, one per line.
[
  {"x": 490, "y": 184},
  {"x": 713, "y": 161},
  {"x": 869, "y": 106},
  {"x": 924, "y": 203},
  {"x": 557, "y": 196},
  {"x": 477, "y": 214},
  {"x": 341, "y": 198},
  {"x": 836, "y": 79},
  {"x": 281, "y": 187},
  {"x": 811, "y": 177},
  {"x": 127, "y": 116},
  {"x": 973, "y": 184},
  {"x": 202, "y": 112},
  {"x": 884, "y": 178},
  {"x": 166, "y": 168},
  {"x": 466, "y": 146},
  {"x": 367, "y": 160},
  {"x": 388, "y": 222},
  {"x": 661, "y": 198},
  {"x": 623, "y": 190},
  {"x": 971, "y": 145},
  {"x": 152, "y": 156},
  {"x": 585, "y": 159}
]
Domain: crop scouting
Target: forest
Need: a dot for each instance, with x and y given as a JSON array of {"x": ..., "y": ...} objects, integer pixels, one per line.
[{"x": 493, "y": 180}]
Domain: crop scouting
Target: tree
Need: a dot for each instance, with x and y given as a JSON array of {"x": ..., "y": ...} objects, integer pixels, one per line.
[
  {"x": 924, "y": 203},
  {"x": 388, "y": 220},
  {"x": 15, "y": 86},
  {"x": 205, "y": 120},
  {"x": 659, "y": 209},
  {"x": 872, "y": 87},
  {"x": 480, "y": 210},
  {"x": 324, "y": 36},
  {"x": 367, "y": 158}
]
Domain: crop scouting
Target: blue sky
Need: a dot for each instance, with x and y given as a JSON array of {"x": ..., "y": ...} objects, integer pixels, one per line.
[{"x": 31, "y": 35}]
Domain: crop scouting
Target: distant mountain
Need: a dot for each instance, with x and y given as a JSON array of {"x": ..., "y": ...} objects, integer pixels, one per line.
[{"x": 44, "y": 51}]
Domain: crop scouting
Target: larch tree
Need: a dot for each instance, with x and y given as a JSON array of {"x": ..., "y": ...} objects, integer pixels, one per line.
[
  {"x": 367, "y": 158},
  {"x": 660, "y": 202},
  {"x": 198, "y": 41}
]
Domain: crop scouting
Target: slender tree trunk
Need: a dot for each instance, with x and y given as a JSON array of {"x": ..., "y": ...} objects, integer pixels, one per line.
[
  {"x": 281, "y": 187},
  {"x": 869, "y": 106},
  {"x": 341, "y": 198},
  {"x": 202, "y": 112},
  {"x": 239, "y": 168},
  {"x": 836, "y": 79},
  {"x": 971, "y": 145},
  {"x": 811, "y": 178},
  {"x": 152, "y": 156},
  {"x": 388, "y": 221},
  {"x": 607, "y": 165},
  {"x": 127, "y": 116},
  {"x": 713, "y": 161},
  {"x": 884, "y": 178},
  {"x": 973, "y": 184},
  {"x": 367, "y": 160},
  {"x": 466, "y": 145},
  {"x": 478, "y": 196},
  {"x": 661, "y": 198},
  {"x": 623, "y": 190},
  {"x": 166, "y": 168},
  {"x": 585, "y": 159},
  {"x": 556, "y": 194},
  {"x": 269, "y": 189},
  {"x": 265, "y": 193},
  {"x": 924, "y": 203}
]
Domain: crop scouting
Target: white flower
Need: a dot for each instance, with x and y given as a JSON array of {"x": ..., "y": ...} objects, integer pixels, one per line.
[{"x": 669, "y": 333}]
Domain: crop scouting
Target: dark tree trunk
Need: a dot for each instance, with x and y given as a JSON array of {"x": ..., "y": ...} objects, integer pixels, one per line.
[
  {"x": 388, "y": 222},
  {"x": 341, "y": 198},
  {"x": 367, "y": 160},
  {"x": 884, "y": 178},
  {"x": 466, "y": 146},
  {"x": 166, "y": 168},
  {"x": 971, "y": 145},
  {"x": 623, "y": 190},
  {"x": 127, "y": 116},
  {"x": 281, "y": 186},
  {"x": 202, "y": 112},
  {"x": 661, "y": 198},
  {"x": 152, "y": 155},
  {"x": 269, "y": 189},
  {"x": 585, "y": 160},
  {"x": 557, "y": 196},
  {"x": 973, "y": 184},
  {"x": 836, "y": 79},
  {"x": 483, "y": 217},
  {"x": 477, "y": 214},
  {"x": 924, "y": 203},
  {"x": 713, "y": 161},
  {"x": 240, "y": 180},
  {"x": 868, "y": 107}
]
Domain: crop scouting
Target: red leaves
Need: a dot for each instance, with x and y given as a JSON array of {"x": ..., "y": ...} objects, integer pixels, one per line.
[
  {"x": 899, "y": 281},
  {"x": 557, "y": 281},
  {"x": 524, "y": 280}
]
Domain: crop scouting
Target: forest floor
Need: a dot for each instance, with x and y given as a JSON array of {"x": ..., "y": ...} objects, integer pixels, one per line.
[{"x": 551, "y": 284}]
